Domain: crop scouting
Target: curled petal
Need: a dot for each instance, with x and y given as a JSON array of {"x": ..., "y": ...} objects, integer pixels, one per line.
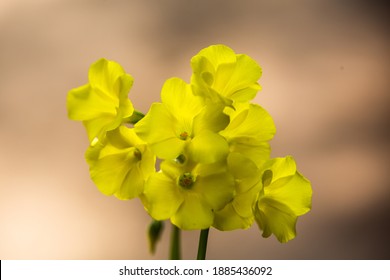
[
  {"x": 249, "y": 124},
  {"x": 282, "y": 169},
  {"x": 295, "y": 194},
  {"x": 241, "y": 85},
  {"x": 222, "y": 76},
  {"x": 211, "y": 118},
  {"x": 275, "y": 218}
]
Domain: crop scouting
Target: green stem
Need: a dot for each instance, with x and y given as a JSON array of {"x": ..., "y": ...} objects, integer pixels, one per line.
[
  {"x": 134, "y": 118},
  {"x": 175, "y": 243},
  {"x": 204, "y": 234}
]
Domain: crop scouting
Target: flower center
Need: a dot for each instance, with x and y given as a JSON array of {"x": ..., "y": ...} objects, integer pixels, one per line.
[
  {"x": 186, "y": 180},
  {"x": 181, "y": 159},
  {"x": 183, "y": 135},
  {"x": 137, "y": 154}
]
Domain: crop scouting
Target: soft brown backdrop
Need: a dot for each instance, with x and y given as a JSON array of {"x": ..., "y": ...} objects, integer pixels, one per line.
[{"x": 325, "y": 81}]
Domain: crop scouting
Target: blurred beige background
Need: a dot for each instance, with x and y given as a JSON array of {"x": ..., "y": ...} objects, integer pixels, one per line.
[{"x": 325, "y": 81}]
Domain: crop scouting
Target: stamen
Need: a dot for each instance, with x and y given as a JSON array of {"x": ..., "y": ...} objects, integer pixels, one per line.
[
  {"x": 186, "y": 180},
  {"x": 183, "y": 135}
]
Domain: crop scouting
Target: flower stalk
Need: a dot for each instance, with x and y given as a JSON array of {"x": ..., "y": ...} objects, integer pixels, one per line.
[
  {"x": 175, "y": 253},
  {"x": 202, "y": 247}
]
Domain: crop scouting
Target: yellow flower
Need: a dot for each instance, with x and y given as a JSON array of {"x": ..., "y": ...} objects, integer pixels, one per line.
[
  {"x": 182, "y": 123},
  {"x": 214, "y": 146},
  {"x": 222, "y": 76},
  {"x": 121, "y": 163},
  {"x": 249, "y": 130},
  {"x": 103, "y": 103},
  {"x": 286, "y": 194},
  {"x": 238, "y": 213},
  {"x": 188, "y": 193}
]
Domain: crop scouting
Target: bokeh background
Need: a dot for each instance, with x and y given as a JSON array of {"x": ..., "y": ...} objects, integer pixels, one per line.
[{"x": 325, "y": 82}]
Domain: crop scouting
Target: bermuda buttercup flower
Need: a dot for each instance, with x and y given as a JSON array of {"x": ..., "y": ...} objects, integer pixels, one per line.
[
  {"x": 121, "y": 163},
  {"x": 221, "y": 75},
  {"x": 285, "y": 195},
  {"x": 209, "y": 144},
  {"x": 102, "y": 104}
]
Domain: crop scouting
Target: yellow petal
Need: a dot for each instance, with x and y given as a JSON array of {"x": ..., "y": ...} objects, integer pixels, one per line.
[
  {"x": 249, "y": 124},
  {"x": 275, "y": 218},
  {"x": 240, "y": 166},
  {"x": 286, "y": 195},
  {"x": 282, "y": 169},
  {"x": 296, "y": 194},
  {"x": 163, "y": 196},
  {"x": 211, "y": 118},
  {"x": 228, "y": 219},
  {"x": 208, "y": 147},
  {"x": 258, "y": 153},
  {"x": 193, "y": 213},
  {"x": 217, "y": 189},
  {"x": 158, "y": 129},
  {"x": 103, "y": 103},
  {"x": 177, "y": 96},
  {"x": 84, "y": 103},
  {"x": 120, "y": 164},
  {"x": 221, "y": 75},
  {"x": 118, "y": 174},
  {"x": 243, "y": 86}
]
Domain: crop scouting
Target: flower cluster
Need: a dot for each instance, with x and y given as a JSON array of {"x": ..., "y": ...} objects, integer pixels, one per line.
[{"x": 212, "y": 144}]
